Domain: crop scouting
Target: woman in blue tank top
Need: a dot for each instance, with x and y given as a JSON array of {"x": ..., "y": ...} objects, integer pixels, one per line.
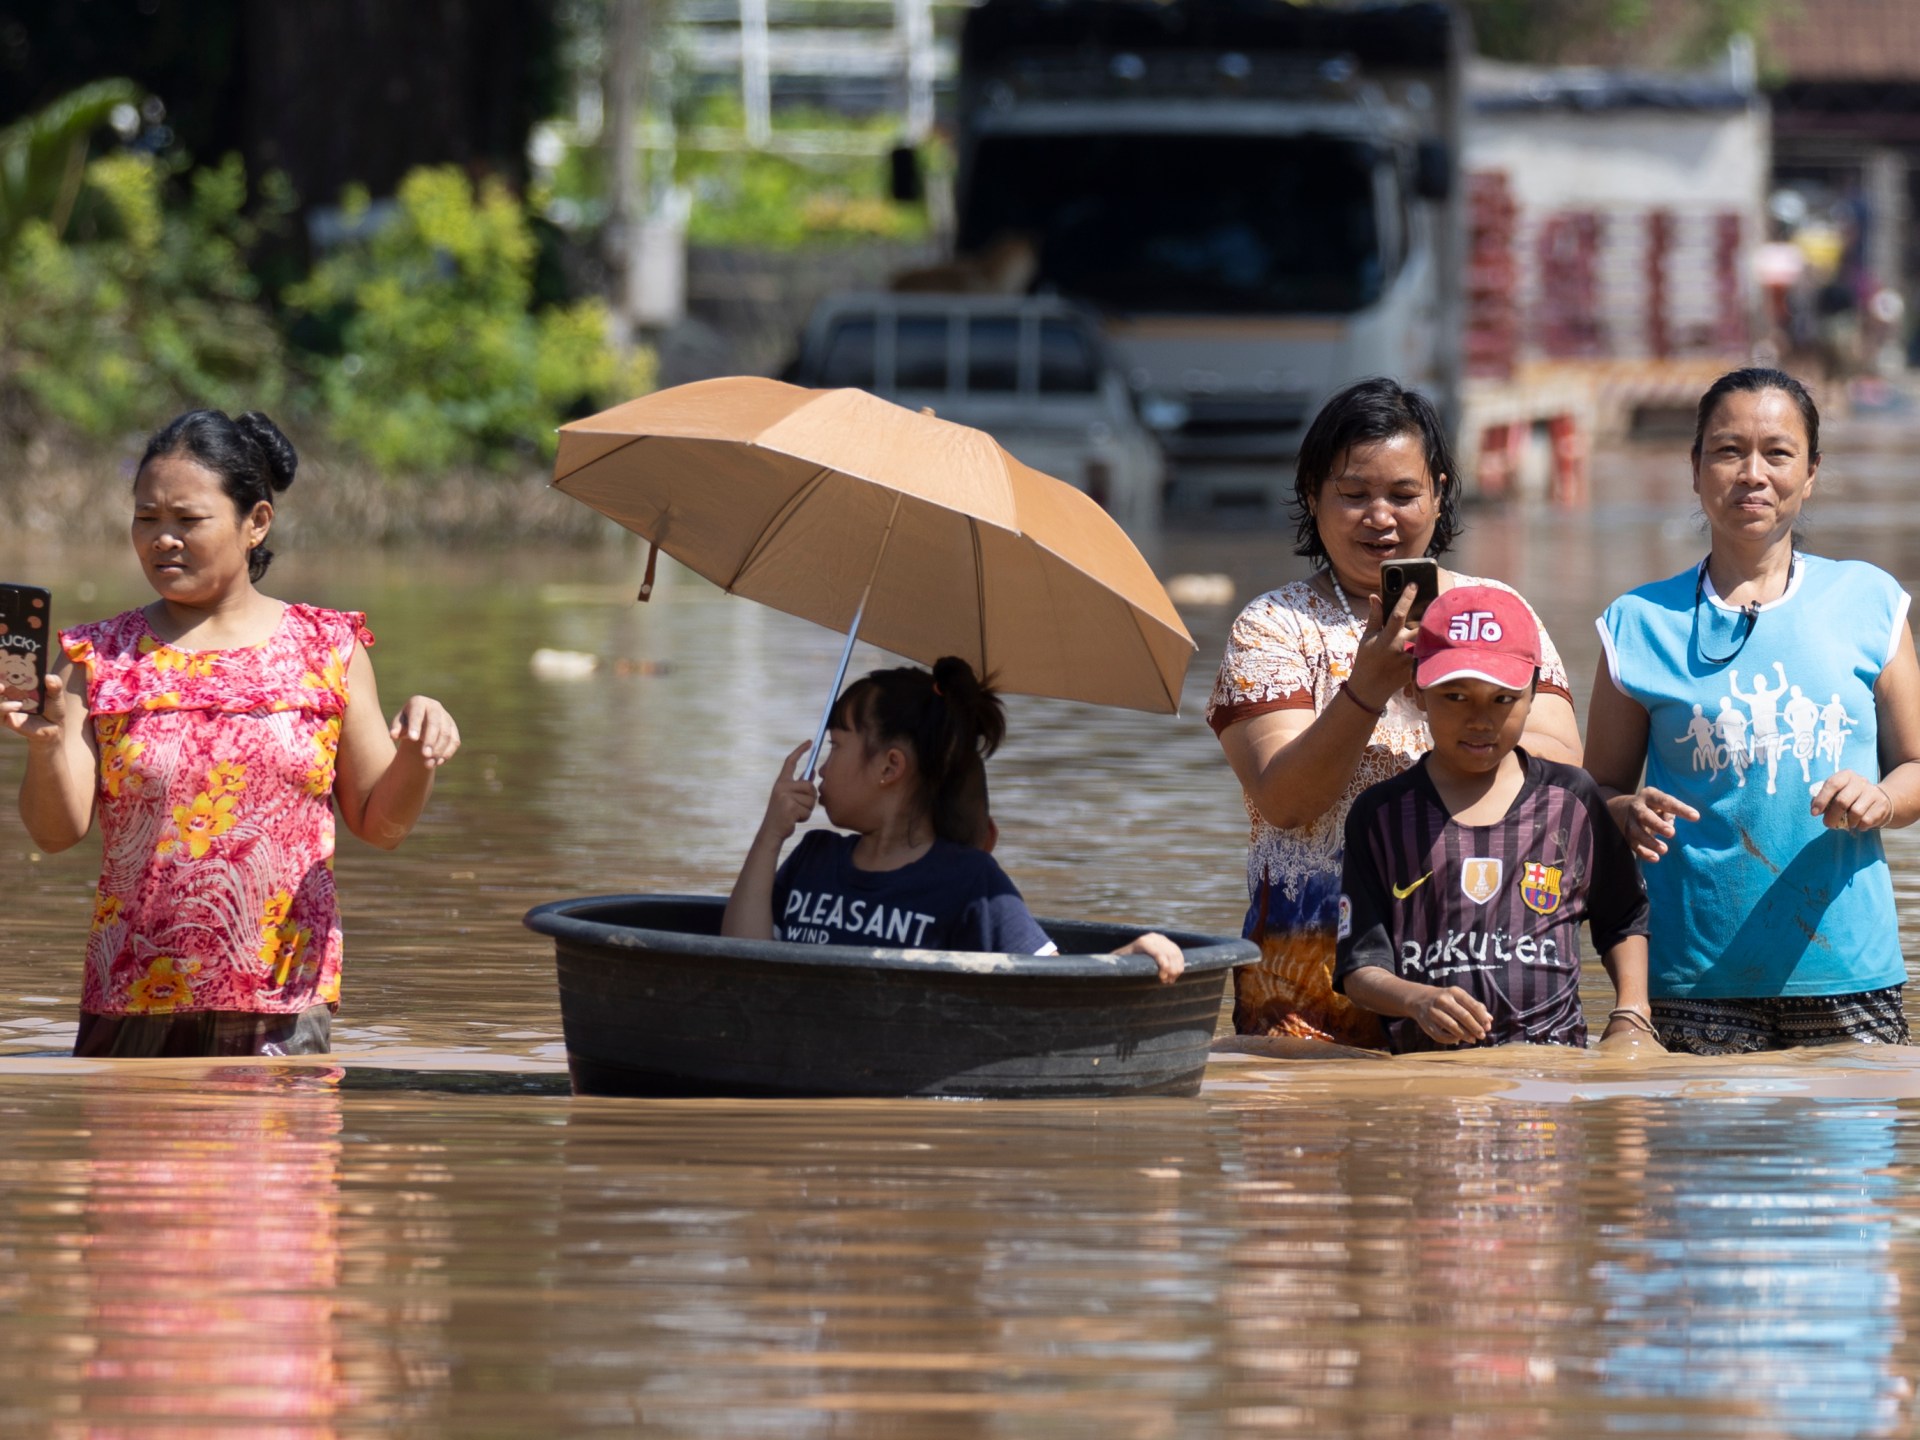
[{"x": 1773, "y": 699}]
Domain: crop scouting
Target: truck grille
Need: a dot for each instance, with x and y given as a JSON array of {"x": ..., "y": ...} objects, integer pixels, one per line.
[{"x": 1239, "y": 427}]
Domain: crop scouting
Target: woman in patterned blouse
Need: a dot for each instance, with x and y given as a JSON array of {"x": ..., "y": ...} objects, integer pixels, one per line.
[
  {"x": 1310, "y": 703},
  {"x": 213, "y": 731}
]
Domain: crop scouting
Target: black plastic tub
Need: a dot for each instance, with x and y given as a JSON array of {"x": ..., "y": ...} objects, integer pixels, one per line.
[{"x": 656, "y": 1002}]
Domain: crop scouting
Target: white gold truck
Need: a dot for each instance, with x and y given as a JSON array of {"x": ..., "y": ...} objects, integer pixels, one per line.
[{"x": 1258, "y": 198}]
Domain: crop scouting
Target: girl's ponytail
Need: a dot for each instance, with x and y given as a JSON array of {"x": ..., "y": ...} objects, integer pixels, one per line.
[{"x": 967, "y": 725}]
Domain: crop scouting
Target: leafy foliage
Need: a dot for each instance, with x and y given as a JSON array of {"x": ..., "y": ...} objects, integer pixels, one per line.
[
  {"x": 147, "y": 303},
  {"x": 128, "y": 292},
  {"x": 43, "y": 157},
  {"x": 782, "y": 202},
  {"x": 440, "y": 360},
  {"x": 1615, "y": 32}
]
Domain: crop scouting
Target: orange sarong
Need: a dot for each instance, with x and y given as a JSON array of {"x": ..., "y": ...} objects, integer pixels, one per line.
[{"x": 1289, "y": 991}]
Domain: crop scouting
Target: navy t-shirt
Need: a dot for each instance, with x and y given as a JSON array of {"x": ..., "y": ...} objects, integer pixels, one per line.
[{"x": 952, "y": 898}]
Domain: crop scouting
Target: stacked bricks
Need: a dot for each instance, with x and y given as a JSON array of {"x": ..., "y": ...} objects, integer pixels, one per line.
[
  {"x": 1493, "y": 324},
  {"x": 1569, "y": 322},
  {"x": 1730, "y": 329},
  {"x": 1660, "y": 237}
]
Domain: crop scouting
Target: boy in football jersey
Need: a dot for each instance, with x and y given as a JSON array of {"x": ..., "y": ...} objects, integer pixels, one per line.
[{"x": 1467, "y": 876}]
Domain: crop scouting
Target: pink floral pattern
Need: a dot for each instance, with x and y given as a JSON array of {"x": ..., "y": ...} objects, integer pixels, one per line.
[{"x": 215, "y": 798}]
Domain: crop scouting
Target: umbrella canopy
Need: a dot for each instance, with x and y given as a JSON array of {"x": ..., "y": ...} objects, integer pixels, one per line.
[{"x": 815, "y": 501}]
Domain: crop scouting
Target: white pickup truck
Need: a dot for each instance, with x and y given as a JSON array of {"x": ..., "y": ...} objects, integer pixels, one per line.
[{"x": 1031, "y": 371}]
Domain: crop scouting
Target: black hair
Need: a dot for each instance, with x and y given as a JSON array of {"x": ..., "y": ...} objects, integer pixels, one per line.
[
  {"x": 253, "y": 459},
  {"x": 948, "y": 719},
  {"x": 1753, "y": 380},
  {"x": 1366, "y": 413}
]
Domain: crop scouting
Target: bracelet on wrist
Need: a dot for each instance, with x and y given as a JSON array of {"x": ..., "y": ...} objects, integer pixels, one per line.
[
  {"x": 1346, "y": 689},
  {"x": 1639, "y": 1019}
]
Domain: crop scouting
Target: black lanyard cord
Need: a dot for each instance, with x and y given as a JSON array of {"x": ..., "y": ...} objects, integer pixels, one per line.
[{"x": 1749, "y": 613}]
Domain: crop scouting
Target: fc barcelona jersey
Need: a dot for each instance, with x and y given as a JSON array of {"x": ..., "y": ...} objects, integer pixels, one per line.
[{"x": 1494, "y": 909}]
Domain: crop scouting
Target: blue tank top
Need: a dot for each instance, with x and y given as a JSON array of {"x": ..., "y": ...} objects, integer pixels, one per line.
[{"x": 1758, "y": 898}]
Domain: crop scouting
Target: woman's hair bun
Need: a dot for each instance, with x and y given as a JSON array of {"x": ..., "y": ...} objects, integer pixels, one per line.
[{"x": 282, "y": 460}]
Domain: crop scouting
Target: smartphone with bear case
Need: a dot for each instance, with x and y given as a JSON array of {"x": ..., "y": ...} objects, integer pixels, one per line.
[
  {"x": 26, "y": 632},
  {"x": 1397, "y": 575}
]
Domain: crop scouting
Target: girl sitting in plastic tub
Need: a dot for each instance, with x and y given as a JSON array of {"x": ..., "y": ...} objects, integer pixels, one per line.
[{"x": 903, "y": 772}]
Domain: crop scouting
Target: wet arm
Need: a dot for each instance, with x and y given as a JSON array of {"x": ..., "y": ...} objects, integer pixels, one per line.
[
  {"x": 1617, "y": 730},
  {"x": 382, "y": 784},
  {"x": 1295, "y": 765},
  {"x": 1553, "y": 730},
  {"x": 1626, "y": 966},
  {"x": 1896, "y": 703},
  {"x": 750, "y": 905},
  {"x": 1168, "y": 958},
  {"x": 1448, "y": 1015},
  {"x": 57, "y": 791},
  {"x": 790, "y": 804}
]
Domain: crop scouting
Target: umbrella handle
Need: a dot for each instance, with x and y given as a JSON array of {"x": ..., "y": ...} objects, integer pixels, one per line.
[
  {"x": 846, "y": 652},
  {"x": 833, "y": 694}
]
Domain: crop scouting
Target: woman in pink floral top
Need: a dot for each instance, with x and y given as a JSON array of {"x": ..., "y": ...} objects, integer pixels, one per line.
[
  {"x": 1310, "y": 705},
  {"x": 213, "y": 731}
]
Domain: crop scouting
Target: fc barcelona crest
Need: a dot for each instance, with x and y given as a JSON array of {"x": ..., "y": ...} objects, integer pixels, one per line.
[
  {"x": 1540, "y": 888},
  {"x": 1480, "y": 878}
]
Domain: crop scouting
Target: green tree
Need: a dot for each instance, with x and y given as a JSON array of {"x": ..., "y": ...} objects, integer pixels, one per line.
[
  {"x": 750, "y": 197},
  {"x": 1615, "y": 32},
  {"x": 43, "y": 158},
  {"x": 440, "y": 359},
  {"x": 146, "y": 303}
]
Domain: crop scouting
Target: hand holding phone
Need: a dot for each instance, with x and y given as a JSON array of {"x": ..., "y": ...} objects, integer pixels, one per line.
[
  {"x": 1397, "y": 576},
  {"x": 26, "y": 633}
]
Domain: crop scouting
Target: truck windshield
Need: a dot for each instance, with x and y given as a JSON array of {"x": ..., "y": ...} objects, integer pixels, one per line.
[{"x": 1194, "y": 222}]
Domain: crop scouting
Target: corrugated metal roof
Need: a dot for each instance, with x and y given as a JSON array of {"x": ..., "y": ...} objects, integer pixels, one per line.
[
  {"x": 1594, "y": 90},
  {"x": 1495, "y": 87}
]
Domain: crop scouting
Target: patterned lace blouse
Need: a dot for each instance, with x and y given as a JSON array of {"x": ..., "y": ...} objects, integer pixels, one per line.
[
  {"x": 1289, "y": 650},
  {"x": 215, "y": 798}
]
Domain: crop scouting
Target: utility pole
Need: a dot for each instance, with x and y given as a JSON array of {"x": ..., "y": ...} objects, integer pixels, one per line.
[
  {"x": 913, "y": 23},
  {"x": 624, "y": 84},
  {"x": 756, "y": 72}
]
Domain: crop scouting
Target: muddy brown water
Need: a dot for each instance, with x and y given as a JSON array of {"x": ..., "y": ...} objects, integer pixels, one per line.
[{"x": 427, "y": 1235}]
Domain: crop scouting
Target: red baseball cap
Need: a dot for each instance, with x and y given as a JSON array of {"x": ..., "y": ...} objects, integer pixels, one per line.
[{"x": 1480, "y": 632}]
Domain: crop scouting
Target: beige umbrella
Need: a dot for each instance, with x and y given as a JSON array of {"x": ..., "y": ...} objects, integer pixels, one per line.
[{"x": 915, "y": 534}]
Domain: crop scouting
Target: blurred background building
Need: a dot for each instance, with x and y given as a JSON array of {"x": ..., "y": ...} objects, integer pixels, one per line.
[{"x": 1620, "y": 198}]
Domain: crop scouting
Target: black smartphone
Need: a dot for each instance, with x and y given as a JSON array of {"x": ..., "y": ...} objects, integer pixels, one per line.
[
  {"x": 1423, "y": 576},
  {"x": 26, "y": 632}
]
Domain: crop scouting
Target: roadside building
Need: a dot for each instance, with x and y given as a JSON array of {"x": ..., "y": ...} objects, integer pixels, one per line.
[
  {"x": 1613, "y": 222},
  {"x": 1846, "y": 110}
]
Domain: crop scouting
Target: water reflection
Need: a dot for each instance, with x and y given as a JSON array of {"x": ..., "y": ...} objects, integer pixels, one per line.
[
  {"x": 924, "y": 1274},
  {"x": 1676, "y": 1268},
  {"x": 179, "y": 1275},
  {"x": 278, "y": 1253},
  {"x": 1773, "y": 1283}
]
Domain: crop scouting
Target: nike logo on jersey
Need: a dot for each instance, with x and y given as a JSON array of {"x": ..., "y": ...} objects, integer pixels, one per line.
[{"x": 1400, "y": 892}]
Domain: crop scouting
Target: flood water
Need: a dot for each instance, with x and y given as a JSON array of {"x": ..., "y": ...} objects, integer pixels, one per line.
[{"x": 428, "y": 1235}]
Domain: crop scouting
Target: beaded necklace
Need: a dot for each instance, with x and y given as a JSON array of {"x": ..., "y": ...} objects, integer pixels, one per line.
[{"x": 1333, "y": 582}]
